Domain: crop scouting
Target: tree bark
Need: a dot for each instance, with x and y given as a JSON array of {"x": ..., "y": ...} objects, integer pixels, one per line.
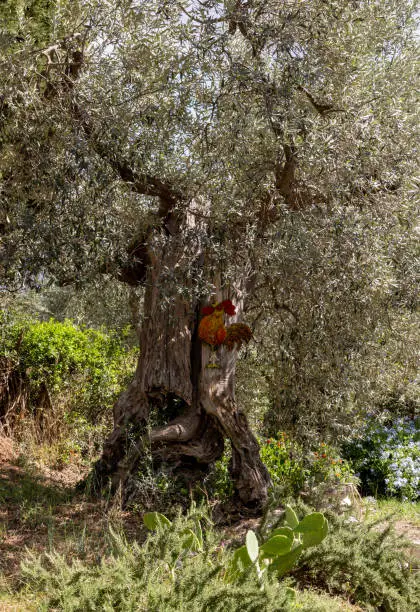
[{"x": 194, "y": 405}]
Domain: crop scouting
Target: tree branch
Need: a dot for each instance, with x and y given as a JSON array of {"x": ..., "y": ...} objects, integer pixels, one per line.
[
  {"x": 145, "y": 184},
  {"x": 134, "y": 272},
  {"x": 322, "y": 109},
  {"x": 285, "y": 173}
]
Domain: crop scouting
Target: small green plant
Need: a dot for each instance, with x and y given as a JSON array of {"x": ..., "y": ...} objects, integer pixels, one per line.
[
  {"x": 281, "y": 550},
  {"x": 284, "y": 459},
  {"x": 291, "y": 467},
  {"x": 191, "y": 535},
  {"x": 219, "y": 483},
  {"x": 325, "y": 465}
]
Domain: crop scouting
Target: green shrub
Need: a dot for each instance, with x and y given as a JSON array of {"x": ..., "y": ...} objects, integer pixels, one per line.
[
  {"x": 63, "y": 381},
  {"x": 94, "y": 363},
  {"x": 363, "y": 563},
  {"x": 161, "y": 575},
  {"x": 92, "y": 366},
  {"x": 293, "y": 468},
  {"x": 285, "y": 462}
]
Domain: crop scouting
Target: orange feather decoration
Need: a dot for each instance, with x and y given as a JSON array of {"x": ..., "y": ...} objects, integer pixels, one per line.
[{"x": 211, "y": 329}]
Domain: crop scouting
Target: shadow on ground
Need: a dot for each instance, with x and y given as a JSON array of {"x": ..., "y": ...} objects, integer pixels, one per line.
[{"x": 41, "y": 511}]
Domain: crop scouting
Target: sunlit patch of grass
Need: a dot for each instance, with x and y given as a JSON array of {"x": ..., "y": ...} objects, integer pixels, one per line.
[
  {"x": 399, "y": 510},
  {"x": 18, "y": 602}
]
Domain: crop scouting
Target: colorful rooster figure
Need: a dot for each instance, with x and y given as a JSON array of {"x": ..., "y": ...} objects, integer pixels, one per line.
[{"x": 213, "y": 331}]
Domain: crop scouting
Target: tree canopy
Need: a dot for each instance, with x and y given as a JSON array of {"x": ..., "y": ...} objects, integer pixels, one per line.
[{"x": 287, "y": 129}]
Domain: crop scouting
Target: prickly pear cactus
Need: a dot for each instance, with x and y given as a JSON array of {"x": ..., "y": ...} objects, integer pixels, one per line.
[{"x": 280, "y": 552}]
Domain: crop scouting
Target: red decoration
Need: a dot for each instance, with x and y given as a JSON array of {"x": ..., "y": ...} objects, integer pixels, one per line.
[
  {"x": 229, "y": 308},
  {"x": 213, "y": 331},
  {"x": 207, "y": 310},
  {"x": 221, "y": 334}
]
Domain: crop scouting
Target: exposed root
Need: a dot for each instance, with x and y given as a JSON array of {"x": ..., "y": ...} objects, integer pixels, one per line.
[
  {"x": 181, "y": 429},
  {"x": 249, "y": 474}
]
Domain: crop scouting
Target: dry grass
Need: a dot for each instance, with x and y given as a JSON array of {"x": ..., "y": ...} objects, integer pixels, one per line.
[{"x": 41, "y": 511}]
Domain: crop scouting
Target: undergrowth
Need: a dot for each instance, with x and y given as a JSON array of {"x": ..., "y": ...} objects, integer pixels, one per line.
[
  {"x": 139, "y": 579},
  {"x": 359, "y": 563},
  {"x": 365, "y": 563},
  {"x": 160, "y": 576}
]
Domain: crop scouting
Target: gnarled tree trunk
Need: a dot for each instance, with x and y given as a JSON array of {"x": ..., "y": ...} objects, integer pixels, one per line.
[{"x": 194, "y": 405}]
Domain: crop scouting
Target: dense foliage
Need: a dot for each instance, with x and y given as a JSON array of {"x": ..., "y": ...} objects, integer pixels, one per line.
[
  {"x": 387, "y": 457},
  {"x": 294, "y": 124},
  {"x": 62, "y": 379}
]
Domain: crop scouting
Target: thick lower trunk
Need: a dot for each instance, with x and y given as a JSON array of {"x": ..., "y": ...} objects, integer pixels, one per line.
[{"x": 194, "y": 404}]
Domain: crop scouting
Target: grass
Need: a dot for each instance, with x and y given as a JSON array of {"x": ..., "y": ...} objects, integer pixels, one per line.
[
  {"x": 399, "y": 510},
  {"x": 27, "y": 488},
  {"x": 39, "y": 516},
  {"x": 18, "y": 602}
]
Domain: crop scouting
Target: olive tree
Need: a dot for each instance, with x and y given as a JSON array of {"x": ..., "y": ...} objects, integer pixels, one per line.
[{"x": 176, "y": 145}]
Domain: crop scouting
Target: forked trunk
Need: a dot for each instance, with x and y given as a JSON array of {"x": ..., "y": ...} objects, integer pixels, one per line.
[{"x": 193, "y": 404}]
